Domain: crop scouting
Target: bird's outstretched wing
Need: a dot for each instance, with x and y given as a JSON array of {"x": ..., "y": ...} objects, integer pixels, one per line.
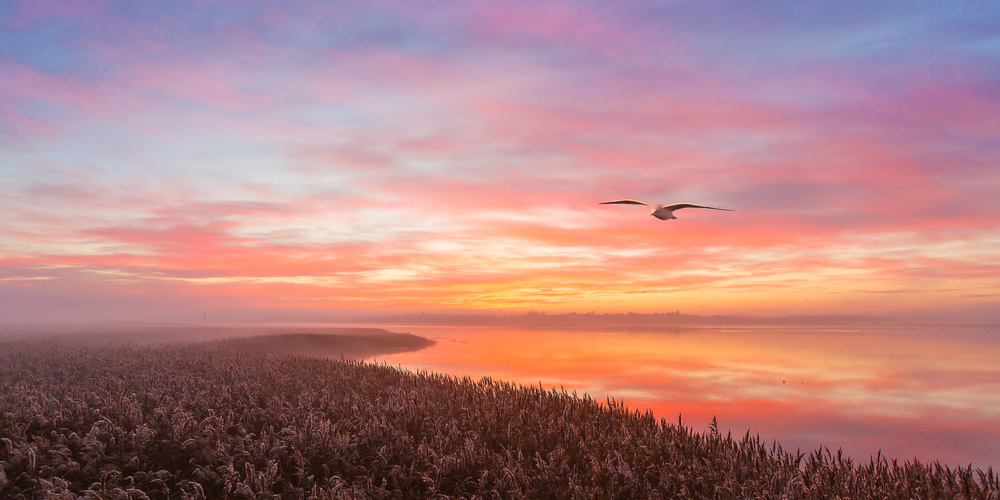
[
  {"x": 624, "y": 202},
  {"x": 678, "y": 206}
]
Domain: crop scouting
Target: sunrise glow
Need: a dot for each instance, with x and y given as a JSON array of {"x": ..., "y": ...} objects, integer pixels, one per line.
[{"x": 182, "y": 161}]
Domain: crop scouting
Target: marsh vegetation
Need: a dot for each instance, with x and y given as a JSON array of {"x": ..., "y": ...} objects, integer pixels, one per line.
[{"x": 220, "y": 420}]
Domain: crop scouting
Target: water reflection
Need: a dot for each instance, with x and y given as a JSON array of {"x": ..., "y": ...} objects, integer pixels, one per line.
[{"x": 931, "y": 394}]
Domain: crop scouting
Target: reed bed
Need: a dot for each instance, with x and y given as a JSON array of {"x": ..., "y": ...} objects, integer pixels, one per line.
[{"x": 205, "y": 421}]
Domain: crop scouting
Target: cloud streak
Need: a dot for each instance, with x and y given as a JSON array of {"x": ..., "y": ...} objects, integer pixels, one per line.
[{"x": 412, "y": 156}]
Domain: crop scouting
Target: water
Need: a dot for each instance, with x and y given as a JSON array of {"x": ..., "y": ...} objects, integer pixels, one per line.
[{"x": 924, "y": 393}]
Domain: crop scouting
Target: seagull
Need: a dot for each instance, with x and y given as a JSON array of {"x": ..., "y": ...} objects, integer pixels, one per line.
[{"x": 662, "y": 212}]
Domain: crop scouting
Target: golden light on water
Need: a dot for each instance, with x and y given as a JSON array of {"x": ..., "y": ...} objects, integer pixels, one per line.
[{"x": 907, "y": 391}]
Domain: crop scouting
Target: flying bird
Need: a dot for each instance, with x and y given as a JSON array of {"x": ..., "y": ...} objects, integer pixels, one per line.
[{"x": 662, "y": 212}]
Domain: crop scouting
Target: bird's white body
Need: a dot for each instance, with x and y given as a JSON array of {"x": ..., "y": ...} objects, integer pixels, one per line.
[{"x": 662, "y": 212}]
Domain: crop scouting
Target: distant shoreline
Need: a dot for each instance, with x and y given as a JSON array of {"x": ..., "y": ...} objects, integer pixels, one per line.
[
  {"x": 333, "y": 342},
  {"x": 170, "y": 332},
  {"x": 350, "y": 343},
  {"x": 633, "y": 320}
]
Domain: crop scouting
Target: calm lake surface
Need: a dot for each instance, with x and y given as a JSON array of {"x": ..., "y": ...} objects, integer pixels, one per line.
[{"x": 931, "y": 393}]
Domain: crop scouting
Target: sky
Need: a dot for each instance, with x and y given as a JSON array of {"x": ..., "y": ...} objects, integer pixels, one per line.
[{"x": 252, "y": 161}]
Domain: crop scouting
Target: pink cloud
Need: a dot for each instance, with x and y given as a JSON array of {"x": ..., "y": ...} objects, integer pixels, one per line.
[{"x": 473, "y": 139}]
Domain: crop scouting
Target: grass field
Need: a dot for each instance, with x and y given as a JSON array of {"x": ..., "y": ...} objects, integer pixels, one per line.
[{"x": 225, "y": 419}]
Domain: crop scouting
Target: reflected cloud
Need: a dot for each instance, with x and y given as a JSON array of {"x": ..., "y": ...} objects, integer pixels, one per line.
[{"x": 910, "y": 393}]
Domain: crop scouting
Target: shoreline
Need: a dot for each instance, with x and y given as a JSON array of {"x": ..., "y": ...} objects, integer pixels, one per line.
[{"x": 205, "y": 421}]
